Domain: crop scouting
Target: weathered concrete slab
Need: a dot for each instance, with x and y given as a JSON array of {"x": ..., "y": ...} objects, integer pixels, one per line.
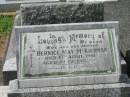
[
  {"x": 99, "y": 90},
  {"x": 120, "y": 11}
]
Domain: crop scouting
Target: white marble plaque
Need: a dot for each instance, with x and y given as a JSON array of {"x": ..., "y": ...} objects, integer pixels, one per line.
[{"x": 67, "y": 53}]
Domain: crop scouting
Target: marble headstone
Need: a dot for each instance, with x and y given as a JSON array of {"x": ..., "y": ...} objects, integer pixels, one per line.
[{"x": 68, "y": 54}]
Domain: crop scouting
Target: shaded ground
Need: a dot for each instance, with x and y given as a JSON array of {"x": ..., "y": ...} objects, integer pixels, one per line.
[
  {"x": 1, "y": 76},
  {"x": 3, "y": 45}
]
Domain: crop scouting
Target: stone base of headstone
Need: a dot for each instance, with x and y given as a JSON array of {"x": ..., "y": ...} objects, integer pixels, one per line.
[{"x": 97, "y": 90}]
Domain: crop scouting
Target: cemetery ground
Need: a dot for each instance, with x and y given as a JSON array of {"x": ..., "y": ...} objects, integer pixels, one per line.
[{"x": 6, "y": 22}]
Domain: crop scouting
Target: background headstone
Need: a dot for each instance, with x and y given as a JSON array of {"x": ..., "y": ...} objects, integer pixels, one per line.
[{"x": 56, "y": 13}]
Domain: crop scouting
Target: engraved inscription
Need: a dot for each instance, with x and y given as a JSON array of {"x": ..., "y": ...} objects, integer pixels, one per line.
[{"x": 67, "y": 52}]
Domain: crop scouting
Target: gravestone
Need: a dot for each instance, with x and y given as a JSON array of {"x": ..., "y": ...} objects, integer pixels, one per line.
[
  {"x": 76, "y": 57},
  {"x": 56, "y": 55},
  {"x": 97, "y": 11},
  {"x": 67, "y": 60},
  {"x": 90, "y": 12}
]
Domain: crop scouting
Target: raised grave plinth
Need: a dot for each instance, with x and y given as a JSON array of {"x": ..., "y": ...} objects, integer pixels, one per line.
[
  {"x": 48, "y": 68},
  {"x": 97, "y": 90}
]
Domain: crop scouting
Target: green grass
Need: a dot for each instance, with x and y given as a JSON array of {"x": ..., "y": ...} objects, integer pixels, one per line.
[{"x": 6, "y": 23}]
